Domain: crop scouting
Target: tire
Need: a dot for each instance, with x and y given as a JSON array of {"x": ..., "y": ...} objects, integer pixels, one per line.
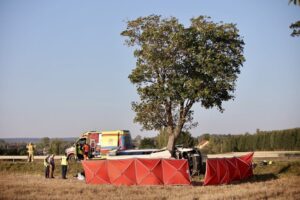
[{"x": 71, "y": 158}]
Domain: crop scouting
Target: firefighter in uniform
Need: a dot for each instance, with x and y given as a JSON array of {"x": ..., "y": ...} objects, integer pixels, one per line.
[
  {"x": 64, "y": 166},
  {"x": 30, "y": 149}
]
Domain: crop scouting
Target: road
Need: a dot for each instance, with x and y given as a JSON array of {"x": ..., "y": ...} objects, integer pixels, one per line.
[{"x": 13, "y": 158}]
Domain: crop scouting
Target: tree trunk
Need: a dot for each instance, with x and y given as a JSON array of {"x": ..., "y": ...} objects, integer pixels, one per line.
[
  {"x": 174, "y": 132},
  {"x": 171, "y": 144}
]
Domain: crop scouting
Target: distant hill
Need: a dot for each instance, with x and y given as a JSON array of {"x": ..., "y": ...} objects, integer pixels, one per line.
[{"x": 34, "y": 140}]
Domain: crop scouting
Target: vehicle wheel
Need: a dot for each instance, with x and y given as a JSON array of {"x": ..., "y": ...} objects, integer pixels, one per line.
[{"x": 71, "y": 159}]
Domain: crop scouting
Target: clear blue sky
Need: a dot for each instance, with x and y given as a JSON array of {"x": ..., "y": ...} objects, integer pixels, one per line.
[{"x": 64, "y": 66}]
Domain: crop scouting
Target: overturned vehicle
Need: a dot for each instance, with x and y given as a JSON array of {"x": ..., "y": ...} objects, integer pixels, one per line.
[{"x": 192, "y": 155}]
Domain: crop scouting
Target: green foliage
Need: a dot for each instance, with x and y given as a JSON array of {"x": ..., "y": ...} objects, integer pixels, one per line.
[
  {"x": 279, "y": 168},
  {"x": 45, "y": 141},
  {"x": 296, "y": 29},
  {"x": 2, "y": 143},
  {"x": 43, "y": 145},
  {"x": 147, "y": 143},
  {"x": 185, "y": 139},
  {"x": 162, "y": 138},
  {"x": 37, "y": 167},
  {"x": 12, "y": 148},
  {"x": 205, "y": 136},
  {"x": 261, "y": 141},
  {"x": 178, "y": 66},
  {"x": 2, "y": 147},
  {"x": 137, "y": 141},
  {"x": 55, "y": 146},
  {"x": 295, "y": 2},
  {"x": 295, "y": 26},
  {"x": 58, "y": 146}
]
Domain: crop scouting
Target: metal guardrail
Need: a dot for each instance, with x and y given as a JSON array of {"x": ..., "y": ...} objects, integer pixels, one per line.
[
  {"x": 14, "y": 158},
  {"x": 257, "y": 154}
]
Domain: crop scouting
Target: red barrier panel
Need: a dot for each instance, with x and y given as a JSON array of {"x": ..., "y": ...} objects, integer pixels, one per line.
[
  {"x": 149, "y": 172},
  {"x": 96, "y": 173},
  {"x": 121, "y": 172},
  {"x": 226, "y": 170},
  {"x": 137, "y": 172},
  {"x": 175, "y": 172}
]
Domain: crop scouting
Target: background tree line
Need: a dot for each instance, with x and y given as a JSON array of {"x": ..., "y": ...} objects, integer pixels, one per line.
[
  {"x": 161, "y": 140},
  {"x": 260, "y": 141},
  {"x": 44, "y": 146}
]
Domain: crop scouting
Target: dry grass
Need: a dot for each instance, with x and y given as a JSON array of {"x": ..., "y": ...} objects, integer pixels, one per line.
[
  {"x": 18, "y": 186},
  {"x": 270, "y": 182}
]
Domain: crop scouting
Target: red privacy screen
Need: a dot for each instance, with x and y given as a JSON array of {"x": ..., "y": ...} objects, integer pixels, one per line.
[
  {"x": 137, "y": 172},
  {"x": 226, "y": 170}
]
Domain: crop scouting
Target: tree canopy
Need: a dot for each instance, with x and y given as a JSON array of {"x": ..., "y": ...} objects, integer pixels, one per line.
[
  {"x": 295, "y": 2},
  {"x": 179, "y": 66},
  {"x": 296, "y": 25}
]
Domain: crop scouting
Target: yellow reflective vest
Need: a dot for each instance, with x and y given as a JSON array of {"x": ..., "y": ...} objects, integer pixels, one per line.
[
  {"x": 46, "y": 164},
  {"x": 64, "y": 160},
  {"x": 30, "y": 148}
]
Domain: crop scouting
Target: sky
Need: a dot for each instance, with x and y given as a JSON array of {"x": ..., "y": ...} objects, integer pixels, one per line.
[{"x": 64, "y": 66}]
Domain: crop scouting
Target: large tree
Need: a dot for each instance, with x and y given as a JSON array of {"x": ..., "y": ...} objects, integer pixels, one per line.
[
  {"x": 179, "y": 66},
  {"x": 295, "y": 2},
  {"x": 295, "y": 26}
]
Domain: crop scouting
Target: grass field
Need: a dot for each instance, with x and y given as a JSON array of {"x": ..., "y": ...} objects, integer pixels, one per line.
[{"x": 21, "y": 180}]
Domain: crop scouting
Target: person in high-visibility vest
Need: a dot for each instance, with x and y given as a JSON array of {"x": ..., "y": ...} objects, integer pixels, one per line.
[
  {"x": 47, "y": 166},
  {"x": 30, "y": 149},
  {"x": 64, "y": 166}
]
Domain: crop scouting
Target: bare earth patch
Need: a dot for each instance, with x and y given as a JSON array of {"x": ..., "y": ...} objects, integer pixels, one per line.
[{"x": 33, "y": 186}]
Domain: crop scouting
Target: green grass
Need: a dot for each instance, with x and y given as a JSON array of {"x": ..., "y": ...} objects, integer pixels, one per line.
[
  {"x": 276, "y": 170},
  {"x": 280, "y": 168},
  {"x": 36, "y": 167}
]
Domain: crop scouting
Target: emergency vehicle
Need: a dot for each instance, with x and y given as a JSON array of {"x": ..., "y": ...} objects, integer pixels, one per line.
[{"x": 100, "y": 143}]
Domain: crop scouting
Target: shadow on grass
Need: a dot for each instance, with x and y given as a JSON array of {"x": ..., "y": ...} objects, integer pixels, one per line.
[
  {"x": 261, "y": 178},
  {"x": 284, "y": 169},
  {"x": 197, "y": 183}
]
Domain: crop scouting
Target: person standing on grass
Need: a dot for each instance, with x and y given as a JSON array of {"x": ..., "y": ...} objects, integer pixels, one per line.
[
  {"x": 52, "y": 166},
  {"x": 30, "y": 149},
  {"x": 64, "y": 166},
  {"x": 79, "y": 151},
  {"x": 46, "y": 165}
]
